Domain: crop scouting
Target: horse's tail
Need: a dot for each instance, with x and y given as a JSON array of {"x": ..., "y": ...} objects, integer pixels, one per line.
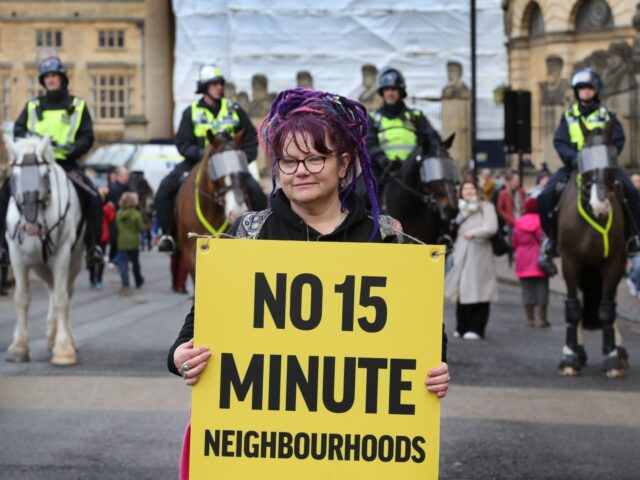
[{"x": 591, "y": 286}]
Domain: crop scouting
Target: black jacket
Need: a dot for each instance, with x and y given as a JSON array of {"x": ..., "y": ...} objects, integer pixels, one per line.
[
  {"x": 424, "y": 131},
  {"x": 284, "y": 224},
  {"x": 568, "y": 150},
  {"x": 192, "y": 148},
  {"x": 84, "y": 137}
]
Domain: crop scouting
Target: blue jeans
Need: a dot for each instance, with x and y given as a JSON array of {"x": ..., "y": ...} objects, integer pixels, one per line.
[
  {"x": 123, "y": 258},
  {"x": 634, "y": 274}
]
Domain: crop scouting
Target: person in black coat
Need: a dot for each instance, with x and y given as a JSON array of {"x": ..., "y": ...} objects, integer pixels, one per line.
[{"x": 315, "y": 199}]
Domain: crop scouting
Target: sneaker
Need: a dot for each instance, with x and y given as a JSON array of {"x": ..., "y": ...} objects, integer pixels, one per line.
[
  {"x": 126, "y": 292},
  {"x": 167, "y": 244},
  {"x": 140, "y": 283},
  {"x": 471, "y": 336},
  {"x": 456, "y": 334},
  {"x": 633, "y": 290},
  {"x": 98, "y": 286}
]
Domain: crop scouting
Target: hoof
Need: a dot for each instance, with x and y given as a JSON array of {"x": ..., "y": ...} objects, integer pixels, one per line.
[
  {"x": 569, "y": 372},
  {"x": 64, "y": 359},
  {"x": 17, "y": 354},
  {"x": 614, "y": 373}
]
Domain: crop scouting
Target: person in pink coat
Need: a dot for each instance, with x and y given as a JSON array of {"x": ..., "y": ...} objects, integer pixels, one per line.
[{"x": 526, "y": 240}]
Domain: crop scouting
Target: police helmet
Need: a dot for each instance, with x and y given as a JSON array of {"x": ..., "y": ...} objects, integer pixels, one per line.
[
  {"x": 586, "y": 77},
  {"x": 52, "y": 65},
  {"x": 209, "y": 73},
  {"x": 391, "y": 77}
]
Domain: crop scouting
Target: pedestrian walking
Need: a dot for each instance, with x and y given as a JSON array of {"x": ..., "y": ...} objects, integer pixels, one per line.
[
  {"x": 119, "y": 186},
  {"x": 108, "y": 217},
  {"x": 526, "y": 240},
  {"x": 129, "y": 225},
  {"x": 471, "y": 283}
]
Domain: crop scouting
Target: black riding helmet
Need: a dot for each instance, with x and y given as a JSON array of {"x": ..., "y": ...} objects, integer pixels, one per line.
[
  {"x": 390, "y": 77},
  {"x": 52, "y": 65}
]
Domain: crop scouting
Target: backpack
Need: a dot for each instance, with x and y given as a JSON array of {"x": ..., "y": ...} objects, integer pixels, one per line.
[{"x": 251, "y": 224}]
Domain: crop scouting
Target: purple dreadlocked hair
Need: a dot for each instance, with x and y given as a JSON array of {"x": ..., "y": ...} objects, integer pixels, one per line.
[{"x": 322, "y": 116}]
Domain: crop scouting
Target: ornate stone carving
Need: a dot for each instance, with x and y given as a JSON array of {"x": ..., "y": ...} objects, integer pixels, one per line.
[
  {"x": 594, "y": 15},
  {"x": 367, "y": 93},
  {"x": 556, "y": 90},
  {"x": 304, "y": 79},
  {"x": 261, "y": 99},
  {"x": 455, "y": 87},
  {"x": 618, "y": 77}
]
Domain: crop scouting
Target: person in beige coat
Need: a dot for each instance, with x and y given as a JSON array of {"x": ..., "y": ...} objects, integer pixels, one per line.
[{"x": 471, "y": 282}]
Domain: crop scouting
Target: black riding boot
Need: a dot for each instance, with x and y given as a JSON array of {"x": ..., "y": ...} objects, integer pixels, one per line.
[
  {"x": 5, "y": 195},
  {"x": 164, "y": 205},
  {"x": 91, "y": 206}
]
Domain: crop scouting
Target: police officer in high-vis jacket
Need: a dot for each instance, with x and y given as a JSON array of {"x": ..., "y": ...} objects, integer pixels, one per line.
[
  {"x": 568, "y": 141},
  {"x": 67, "y": 120},
  {"x": 395, "y": 130},
  {"x": 211, "y": 112}
]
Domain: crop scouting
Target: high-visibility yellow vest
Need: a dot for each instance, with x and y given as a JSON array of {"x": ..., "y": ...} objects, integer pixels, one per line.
[
  {"x": 397, "y": 136},
  {"x": 203, "y": 120},
  {"x": 62, "y": 125},
  {"x": 596, "y": 119}
]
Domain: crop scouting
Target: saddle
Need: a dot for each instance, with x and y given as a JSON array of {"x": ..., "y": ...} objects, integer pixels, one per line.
[{"x": 81, "y": 183}]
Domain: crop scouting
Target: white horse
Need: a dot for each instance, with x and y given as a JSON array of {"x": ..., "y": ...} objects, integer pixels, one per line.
[{"x": 44, "y": 234}]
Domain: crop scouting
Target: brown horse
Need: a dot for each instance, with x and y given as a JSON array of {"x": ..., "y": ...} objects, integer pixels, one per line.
[
  {"x": 421, "y": 193},
  {"x": 592, "y": 250},
  {"x": 214, "y": 194}
]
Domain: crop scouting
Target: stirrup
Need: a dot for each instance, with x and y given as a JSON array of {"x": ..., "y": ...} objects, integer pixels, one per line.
[
  {"x": 167, "y": 244},
  {"x": 94, "y": 256},
  {"x": 549, "y": 248},
  {"x": 633, "y": 245}
]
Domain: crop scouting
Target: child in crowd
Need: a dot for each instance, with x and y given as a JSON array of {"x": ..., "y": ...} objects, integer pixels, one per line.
[
  {"x": 526, "y": 240},
  {"x": 129, "y": 225},
  {"x": 108, "y": 217}
]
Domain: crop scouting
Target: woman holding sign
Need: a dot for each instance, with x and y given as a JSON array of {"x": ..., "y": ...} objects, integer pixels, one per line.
[{"x": 317, "y": 142}]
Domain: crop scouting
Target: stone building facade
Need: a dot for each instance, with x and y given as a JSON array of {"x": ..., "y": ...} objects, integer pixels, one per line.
[
  {"x": 549, "y": 39},
  {"x": 118, "y": 55}
]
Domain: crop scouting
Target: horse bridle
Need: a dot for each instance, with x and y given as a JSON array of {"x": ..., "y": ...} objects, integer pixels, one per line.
[{"x": 224, "y": 164}]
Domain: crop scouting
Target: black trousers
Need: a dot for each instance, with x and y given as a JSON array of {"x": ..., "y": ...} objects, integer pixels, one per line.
[
  {"x": 165, "y": 199},
  {"x": 5, "y": 195},
  {"x": 472, "y": 317}
]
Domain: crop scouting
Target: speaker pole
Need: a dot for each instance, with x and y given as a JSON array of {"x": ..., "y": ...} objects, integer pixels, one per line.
[{"x": 473, "y": 89}]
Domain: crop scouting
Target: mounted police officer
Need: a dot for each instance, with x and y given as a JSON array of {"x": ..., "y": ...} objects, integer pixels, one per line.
[
  {"x": 211, "y": 112},
  {"x": 394, "y": 129},
  {"x": 569, "y": 140},
  {"x": 67, "y": 121}
]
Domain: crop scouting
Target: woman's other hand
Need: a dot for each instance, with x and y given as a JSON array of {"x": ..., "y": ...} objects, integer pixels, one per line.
[
  {"x": 191, "y": 361},
  {"x": 438, "y": 381}
]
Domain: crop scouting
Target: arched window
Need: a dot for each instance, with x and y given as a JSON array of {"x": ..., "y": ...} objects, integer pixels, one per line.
[
  {"x": 593, "y": 15},
  {"x": 533, "y": 20}
]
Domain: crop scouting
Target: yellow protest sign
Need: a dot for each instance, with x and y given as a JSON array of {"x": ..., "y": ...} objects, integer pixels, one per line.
[{"x": 319, "y": 356}]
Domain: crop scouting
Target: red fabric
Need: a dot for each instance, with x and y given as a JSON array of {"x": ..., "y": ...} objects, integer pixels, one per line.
[
  {"x": 525, "y": 241},
  {"x": 108, "y": 216},
  {"x": 184, "y": 454},
  {"x": 505, "y": 205}
]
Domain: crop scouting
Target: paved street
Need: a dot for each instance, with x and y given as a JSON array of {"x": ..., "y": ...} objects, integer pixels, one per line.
[{"x": 118, "y": 414}]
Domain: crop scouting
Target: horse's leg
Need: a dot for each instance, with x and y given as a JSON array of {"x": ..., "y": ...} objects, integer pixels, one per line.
[
  {"x": 63, "y": 351},
  {"x": 612, "y": 364},
  {"x": 571, "y": 364},
  {"x": 18, "y": 351}
]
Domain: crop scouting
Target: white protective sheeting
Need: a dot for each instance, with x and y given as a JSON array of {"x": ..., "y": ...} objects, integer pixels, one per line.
[{"x": 333, "y": 39}]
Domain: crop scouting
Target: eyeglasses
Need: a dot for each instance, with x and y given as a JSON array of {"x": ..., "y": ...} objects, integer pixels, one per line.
[{"x": 313, "y": 164}]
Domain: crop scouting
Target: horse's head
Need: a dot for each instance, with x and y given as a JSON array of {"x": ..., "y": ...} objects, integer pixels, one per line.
[
  {"x": 30, "y": 186},
  {"x": 227, "y": 166},
  {"x": 597, "y": 167},
  {"x": 438, "y": 179}
]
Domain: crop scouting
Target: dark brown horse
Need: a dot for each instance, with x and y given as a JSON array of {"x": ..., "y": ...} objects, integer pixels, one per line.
[
  {"x": 421, "y": 193},
  {"x": 214, "y": 194},
  {"x": 592, "y": 250}
]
